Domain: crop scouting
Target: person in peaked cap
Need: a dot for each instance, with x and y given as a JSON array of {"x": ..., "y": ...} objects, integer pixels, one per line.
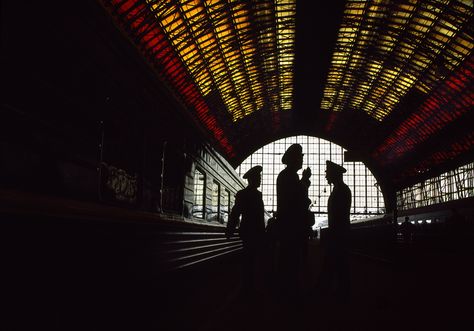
[
  {"x": 249, "y": 205},
  {"x": 336, "y": 262},
  {"x": 295, "y": 151},
  {"x": 253, "y": 173},
  {"x": 292, "y": 212},
  {"x": 334, "y": 168}
]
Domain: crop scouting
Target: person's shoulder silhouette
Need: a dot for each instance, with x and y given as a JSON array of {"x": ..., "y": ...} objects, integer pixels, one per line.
[
  {"x": 250, "y": 208},
  {"x": 249, "y": 205}
]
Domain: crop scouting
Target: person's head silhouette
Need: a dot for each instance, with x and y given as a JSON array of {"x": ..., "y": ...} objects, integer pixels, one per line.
[
  {"x": 293, "y": 157},
  {"x": 254, "y": 176},
  {"x": 334, "y": 172}
]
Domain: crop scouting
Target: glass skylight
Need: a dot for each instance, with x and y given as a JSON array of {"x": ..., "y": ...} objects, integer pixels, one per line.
[
  {"x": 385, "y": 49},
  {"x": 239, "y": 54},
  {"x": 223, "y": 59}
]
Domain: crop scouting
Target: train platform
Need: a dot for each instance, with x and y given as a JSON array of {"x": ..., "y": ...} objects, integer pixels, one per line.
[
  {"x": 413, "y": 288},
  {"x": 108, "y": 282}
]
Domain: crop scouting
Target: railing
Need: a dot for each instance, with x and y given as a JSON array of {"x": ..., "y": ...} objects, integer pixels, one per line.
[{"x": 183, "y": 249}]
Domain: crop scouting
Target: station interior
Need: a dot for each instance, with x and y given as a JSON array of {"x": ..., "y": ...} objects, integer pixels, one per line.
[{"x": 127, "y": 127}]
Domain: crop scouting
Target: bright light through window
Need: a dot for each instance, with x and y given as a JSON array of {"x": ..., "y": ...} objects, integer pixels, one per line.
[{"x": 367, "y": 200}]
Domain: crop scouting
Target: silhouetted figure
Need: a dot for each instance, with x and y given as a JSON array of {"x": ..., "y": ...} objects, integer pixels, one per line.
[
  {"x": 292, "y": 216},
  {"x": 249, "y": 205},
  {"x": 271, "y": 229},
  {"x": 309, "y": 224},
  {"x": 407, "y": 230},
  {"x": 272, "y": 241},
  {"x": 335, "y": 271}
]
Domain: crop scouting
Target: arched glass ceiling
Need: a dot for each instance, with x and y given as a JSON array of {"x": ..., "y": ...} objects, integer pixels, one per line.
[
  {"x": 366, "y": 195},
  {"x": 387, "y": 48},
  {"x": 447, "y": 102},
  {"x": 224, "y": 60},
  {"x": 220, "y": 56}
]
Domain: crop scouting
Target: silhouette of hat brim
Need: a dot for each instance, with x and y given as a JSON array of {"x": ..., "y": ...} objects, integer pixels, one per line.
[
  {"x": 292, "y": 152},
  {"x": 335, "y": 168},
  {"x": 253, "y": 172}
]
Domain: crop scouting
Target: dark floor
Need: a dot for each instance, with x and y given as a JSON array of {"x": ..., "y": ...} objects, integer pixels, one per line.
[
  {"x": 425, "y": 292},
  {"x": 413, "y": 287}
]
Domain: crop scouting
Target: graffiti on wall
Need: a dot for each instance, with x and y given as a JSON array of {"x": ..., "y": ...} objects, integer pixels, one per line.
[{"x": 122, "y": 185}]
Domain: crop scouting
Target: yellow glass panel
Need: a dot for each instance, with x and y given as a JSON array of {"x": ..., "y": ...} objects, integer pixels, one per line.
[
  {"x": 215, "y": 41},
  {"x": 418, "y": 32}
]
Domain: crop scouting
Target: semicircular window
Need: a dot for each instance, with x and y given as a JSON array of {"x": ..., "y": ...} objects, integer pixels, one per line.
[{"x": 367, "y": 199}]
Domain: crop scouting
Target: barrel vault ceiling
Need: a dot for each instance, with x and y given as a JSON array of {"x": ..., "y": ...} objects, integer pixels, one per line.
[{"x": 390, "y": 81}]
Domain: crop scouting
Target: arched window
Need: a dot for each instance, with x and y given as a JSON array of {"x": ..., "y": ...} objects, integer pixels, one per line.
[{"x": 367, "y": 200}]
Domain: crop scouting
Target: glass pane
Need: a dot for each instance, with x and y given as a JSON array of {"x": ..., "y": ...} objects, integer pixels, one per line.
[
  {"x": 369, "y": 199},
  {"x": 199, "y": 199},
  {"x": 451, "y": 185},
  {"x": 213, "y": 214},
  {"x": 224, "y": 206}
]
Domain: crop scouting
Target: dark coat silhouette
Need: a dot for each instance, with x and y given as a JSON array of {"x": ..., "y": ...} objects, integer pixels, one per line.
[
  {"x": 292, "y": 220},
  {"x": 335, "y": 269},
  {"x": 249, "y": 205},
  {"x": 339, "y": 205},
  {"x": 292, "y": 202}
]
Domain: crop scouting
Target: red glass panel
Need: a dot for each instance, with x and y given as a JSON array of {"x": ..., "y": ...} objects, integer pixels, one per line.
[
  {"x": 440, "y": 108},
  {"x": 153, "y": 44}
]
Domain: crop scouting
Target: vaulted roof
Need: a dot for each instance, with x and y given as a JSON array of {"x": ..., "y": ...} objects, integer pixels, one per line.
[{"x": 391, "y": 81}]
